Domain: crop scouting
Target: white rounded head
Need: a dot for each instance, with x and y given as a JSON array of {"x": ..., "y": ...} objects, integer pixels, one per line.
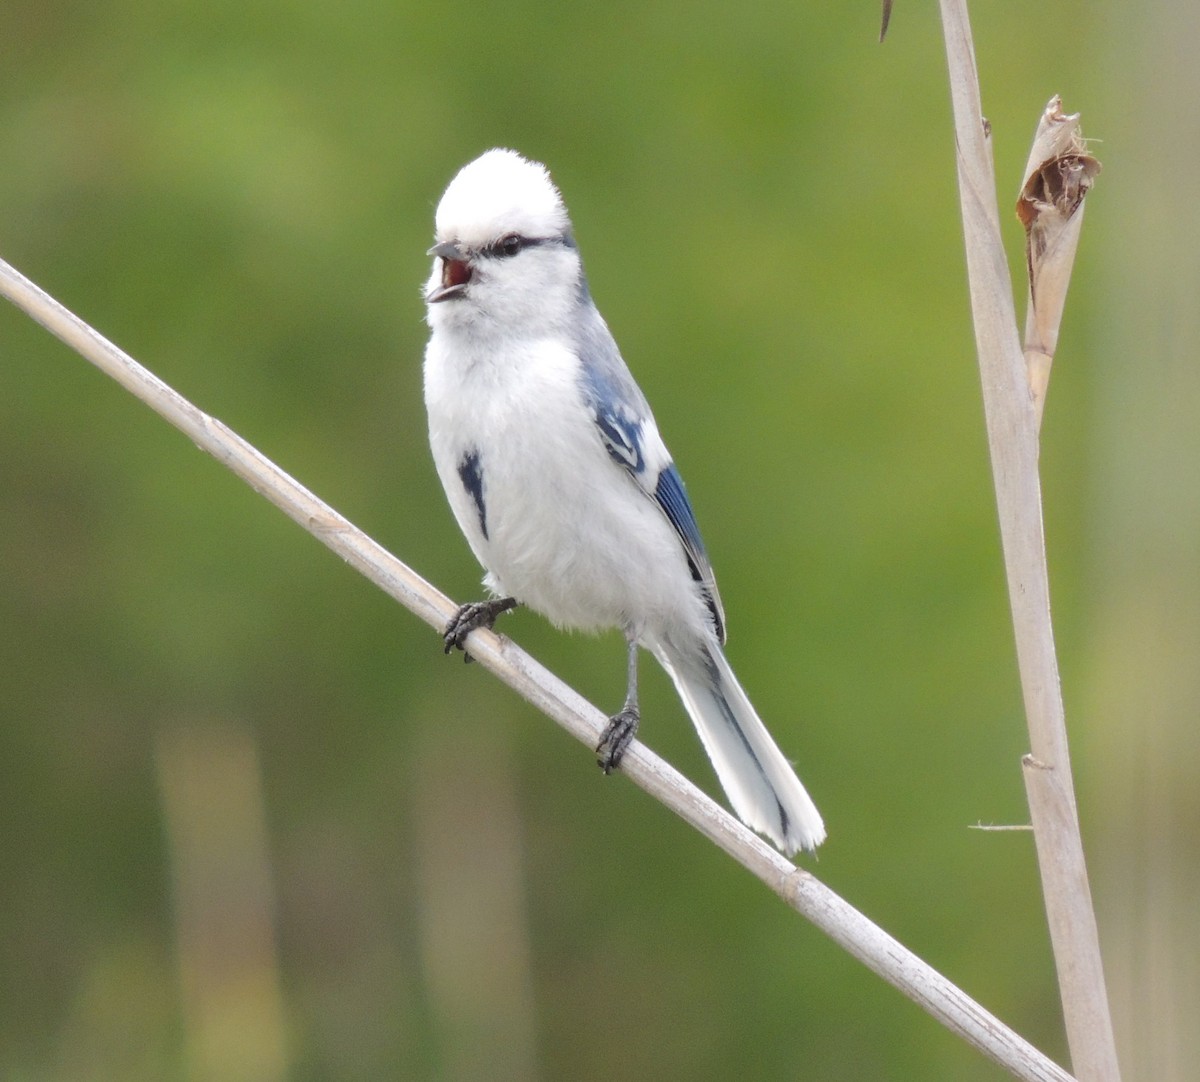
[
  {"x": 504, "y": 251},
  {"x": 500, "y": 192}
]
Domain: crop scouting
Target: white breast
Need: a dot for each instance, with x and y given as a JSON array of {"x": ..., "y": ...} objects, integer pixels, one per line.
[{"x": 569, "y": 532}]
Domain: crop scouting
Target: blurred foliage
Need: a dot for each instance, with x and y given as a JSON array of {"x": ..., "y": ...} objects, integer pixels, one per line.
[{"x": 241, "y": 196}]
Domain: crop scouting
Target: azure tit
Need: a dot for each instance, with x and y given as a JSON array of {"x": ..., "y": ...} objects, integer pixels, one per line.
[{"x": 558, "y": 477}]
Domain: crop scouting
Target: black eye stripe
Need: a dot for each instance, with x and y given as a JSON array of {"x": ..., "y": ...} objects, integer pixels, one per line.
[{"x": 512, "y": 244}]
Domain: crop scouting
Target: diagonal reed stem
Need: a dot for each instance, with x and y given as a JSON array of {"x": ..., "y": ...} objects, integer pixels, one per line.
[{"x": 863, "y": 939}]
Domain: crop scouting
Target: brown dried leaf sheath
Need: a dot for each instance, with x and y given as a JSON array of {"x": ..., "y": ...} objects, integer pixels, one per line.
[{"x": 1057, "y": 177}]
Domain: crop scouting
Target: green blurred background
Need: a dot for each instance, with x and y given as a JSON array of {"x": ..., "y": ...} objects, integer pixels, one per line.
[{"x": 253, "y": 825}]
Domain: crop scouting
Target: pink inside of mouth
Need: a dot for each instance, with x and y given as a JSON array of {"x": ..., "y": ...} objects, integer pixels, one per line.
[{"x": 455, "y": 272}]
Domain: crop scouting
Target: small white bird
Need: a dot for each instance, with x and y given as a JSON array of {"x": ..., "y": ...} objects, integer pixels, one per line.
[{"x": 559, "y": 479}]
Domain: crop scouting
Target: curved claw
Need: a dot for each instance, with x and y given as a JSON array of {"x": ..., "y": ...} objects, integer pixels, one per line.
[
  {"x": 474, "y": 615},
  {"x": 616, "y": 738}
]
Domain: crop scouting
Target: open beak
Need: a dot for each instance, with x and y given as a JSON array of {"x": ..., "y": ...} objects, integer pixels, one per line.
[{"x": 456, "y": 272}]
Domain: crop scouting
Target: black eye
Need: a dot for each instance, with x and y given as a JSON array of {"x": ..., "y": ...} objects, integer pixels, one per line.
[{"x": 510, "y": 245}]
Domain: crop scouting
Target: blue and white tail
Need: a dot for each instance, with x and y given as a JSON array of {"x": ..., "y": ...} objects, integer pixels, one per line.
[{"x": 759, "y": 781}]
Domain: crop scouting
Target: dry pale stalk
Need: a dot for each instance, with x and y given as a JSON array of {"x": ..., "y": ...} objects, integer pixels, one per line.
[
  {"x": 1057, "y": 177},
  {"x": 1012, "y": 444}
]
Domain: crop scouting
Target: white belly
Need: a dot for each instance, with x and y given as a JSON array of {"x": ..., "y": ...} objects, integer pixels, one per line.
[{"x": 569, "y": 532}]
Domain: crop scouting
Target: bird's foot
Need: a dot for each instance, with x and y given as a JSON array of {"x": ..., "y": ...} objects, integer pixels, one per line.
[
  {"x": 617, "y": 737},
  {"x": 471, "y": 616}
]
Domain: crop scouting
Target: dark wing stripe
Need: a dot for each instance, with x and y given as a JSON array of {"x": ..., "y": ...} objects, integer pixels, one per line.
[
  {"x": 470, "y": 473},
  {"x": 672, "y": 498},
  {"x": 622, "y": 439}
]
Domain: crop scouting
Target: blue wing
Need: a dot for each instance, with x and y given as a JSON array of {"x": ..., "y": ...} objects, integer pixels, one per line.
[
  {"x": 622, "y": 435},
  {"x": 672, "y": 498},
  {"x": 628, "y": 432}
]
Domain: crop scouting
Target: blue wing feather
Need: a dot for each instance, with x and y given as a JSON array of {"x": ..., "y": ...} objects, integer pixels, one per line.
[
  {"x": 622, "y": 418},
  {"x": 671, "y": 496},
  {"x": 622, "y": 437}
]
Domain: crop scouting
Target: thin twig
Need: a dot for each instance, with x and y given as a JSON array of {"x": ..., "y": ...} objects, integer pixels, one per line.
[
  {"x": 1012, "y": 441},
  {"x": 807, "y": 895}
]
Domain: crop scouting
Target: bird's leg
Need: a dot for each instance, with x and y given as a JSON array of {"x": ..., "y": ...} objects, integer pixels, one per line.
[
  {"x": 474, "y": 615},
  {"x": 622, "y": 727}
]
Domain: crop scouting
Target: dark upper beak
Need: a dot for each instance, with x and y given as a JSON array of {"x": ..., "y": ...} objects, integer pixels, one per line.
[
  {"x": 456, "y": 272},
  {"x": 447, "y": 250}
]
